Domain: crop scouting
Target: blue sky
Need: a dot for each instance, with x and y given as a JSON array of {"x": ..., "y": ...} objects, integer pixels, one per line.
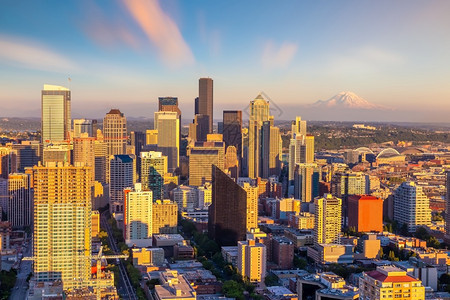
[{"x": 126, "y": 53}]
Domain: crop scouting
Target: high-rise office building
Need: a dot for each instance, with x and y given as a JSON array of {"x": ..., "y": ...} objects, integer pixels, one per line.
[
  {"x": 122, "y": 175},
  {"x": 232, "y": 130},
  {"x": 20, "y": 200},
  {"x": 8, "y": 161},
  {"x": 389, "y": 282},
  {"x": 265, "y": 150},
  {"x": 138, "y": 142},
  {"x": 227, "y": 216},
  {"x": 259, "y": 113},
  {"x": 84, "y": 126},
  {"x": 205, "y": 100},
  {"x": 170, "y": 104},
  {"x": 201, "y": 157},
  {"x": 115, "y": 132},
  {"x": 275, "y": 151},
  {"x": 84, "y": 153},
  {"x": 251, "y": 260},
  {"x": 327, "y": 222},
  {"x": 365, "y": 213},
  {"x": 56, "y": 114},
  {"x": 301, "y": 150},
  {"x": 138, "y": 216},
  {"x": 345, "y": 184},
  {"x": 28, "y": 153},
  {"x": 201, "y": 125},
  {"x": 306, "y": 181},
  {"x": 186, "y": 197},
  {"x": 298, "y": 127},
  {"x": 62, "y": 225},
  {"x": 57, "y": 152},
  {"x": 411, "y": 206},
  {"x": 153, "y": 169},
  {"x": 101, "y": 159},
  {"x": 232, "y": 162},
  {"x": 168, "y": 126}
]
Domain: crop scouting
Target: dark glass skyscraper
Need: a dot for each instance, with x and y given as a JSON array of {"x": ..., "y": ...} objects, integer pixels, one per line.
[
  {"x": 228, "y": 211},
  {"x": 205, "y": 99},
  {"x": 232, "y": 130}
]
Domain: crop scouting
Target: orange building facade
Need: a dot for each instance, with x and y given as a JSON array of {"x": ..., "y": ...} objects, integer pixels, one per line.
[{"x": 365, "y": 213}]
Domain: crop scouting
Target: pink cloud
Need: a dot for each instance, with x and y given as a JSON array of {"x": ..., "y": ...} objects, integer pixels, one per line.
[
  {"x": 161, "y": 30},
  {"x": 274, "y": 57}
]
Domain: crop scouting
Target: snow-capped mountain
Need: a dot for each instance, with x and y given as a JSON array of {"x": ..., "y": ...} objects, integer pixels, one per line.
[{"x": 346, "y": 100}]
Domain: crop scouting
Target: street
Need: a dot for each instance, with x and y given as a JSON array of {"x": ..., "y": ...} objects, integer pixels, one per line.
[{"x": 19, "y": 291}]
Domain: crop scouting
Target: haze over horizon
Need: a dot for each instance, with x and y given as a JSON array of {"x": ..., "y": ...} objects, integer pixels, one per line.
[{"x": 128, "y": 53}]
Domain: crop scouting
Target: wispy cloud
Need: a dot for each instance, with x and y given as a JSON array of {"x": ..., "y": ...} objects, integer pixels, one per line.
[
  {"x": 162, "y": 31},
  {"x": 278, "y": 57},
  {"x": 32, "y": 55},
  {"x": 211, "y": 38}
]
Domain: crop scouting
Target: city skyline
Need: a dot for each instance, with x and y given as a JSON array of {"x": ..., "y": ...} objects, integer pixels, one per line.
[{"x": 392, "y": 54}]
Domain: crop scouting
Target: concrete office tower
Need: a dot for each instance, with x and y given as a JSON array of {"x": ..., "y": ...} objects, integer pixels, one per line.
[
  {"x": 345, "y": 184},
  {"x": 101, "y": 159},
  {"x": 84, "y": 126},
  {"x": 365, "y": 213},
  {"x": 251, "y": 260},
  {"x": 298, "y": 127},
  {"x": 153, "y": 168},
  {"x": 115, "y": 132},
  {"x": 4, "y": 197},
  {"x": 201, "y": 157},
  {"x": 56, "y": 114},
  {"x": 232, "y": 130},
  {"x": 275, "y": 151},
  {"x": 389, "y": 282},
  {"x": 411, "y": 206},
  {"x": 265, "y": 150},
  {"x": 58, "y": 152},
  {"x": 259, "y": 113},
  {"x": 62, "y": 225},
  {"x": 20, "y": 202},
  {"x": 447, "y": 207},
  {"x": 327, "y": 222},
  {"x": 138, "y": 216},
  {"x": 201, "y": 128},
  {"x": 28, "y": 153},
  {"x": 170, "y": 104},
  {"x": 165, "y": 217},
  {"x": 186, "y": 197},
  {"x": 122, "y": 170},
  {"x": 301, "y": 150},
  {"x": 8, "y": 162},
  {"x": 227, "y": 216},
  {"x": 204, "y": 195},
  {"x": 205, "y": 100},
  {"x": 84, "y": 153},
  {"x": 168, "y": 126},
  {"x": 306, "y": 182},
  {"x": 231, "y": 162}
]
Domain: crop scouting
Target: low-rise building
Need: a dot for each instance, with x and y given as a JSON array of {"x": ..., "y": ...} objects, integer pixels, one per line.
[{"x": 174, "y": 287}]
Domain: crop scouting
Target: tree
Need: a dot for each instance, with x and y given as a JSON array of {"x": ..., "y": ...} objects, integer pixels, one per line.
[
  {"x": 300, "y": 263},
  {"x": 271, "y": 280},
  {"x": 392, "y": 256},
  {"x": 433, "y": 242},
  {"x": 380, "y": 253},
  {"x": 233, "y": 289},
  {"x": 422, "y": 233}
]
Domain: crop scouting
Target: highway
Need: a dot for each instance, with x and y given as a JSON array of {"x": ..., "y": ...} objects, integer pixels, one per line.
[{"x": 128, "y": 288}]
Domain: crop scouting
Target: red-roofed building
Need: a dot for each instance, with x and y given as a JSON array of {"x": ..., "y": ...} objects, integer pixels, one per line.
[{"x": 389, "y": 282}]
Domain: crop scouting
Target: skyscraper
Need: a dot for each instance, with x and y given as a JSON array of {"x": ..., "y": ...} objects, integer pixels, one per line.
[
  {"x": 227, "y": 216},
  {"x": 201, "y": 124},
  {"x": 115, "y": 132},
  {"x": 411, "y": 206},
  {"x": 122, "y": 175},
  {"x": 205, "y": 100},
  {"x": 84, "y": 126},
  {"x": 84, "y": 153},
  {"x": 20, "y": 200},
  {"x": 28, "y": 153},
  {"x": 275, "y": 151},
  {"x": 327, "y": 222},
  {"x": 153, "y": 168},
  {"x": 447, "y": 207},
  {"x": 168, "y": 126},
  {"x": 62, "y": 225},
  {"x": 306, "y": 182},
  {"x": 259, "y": 112},
  {"x": 138, "y": 216},
  {"x": 170, "y": 104},
  {"x": 232, "y": 130},
  {"x": 8, "y": 162},
  {"x": 56, "y": 114},
  {"x": 201, "y": 157}
]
